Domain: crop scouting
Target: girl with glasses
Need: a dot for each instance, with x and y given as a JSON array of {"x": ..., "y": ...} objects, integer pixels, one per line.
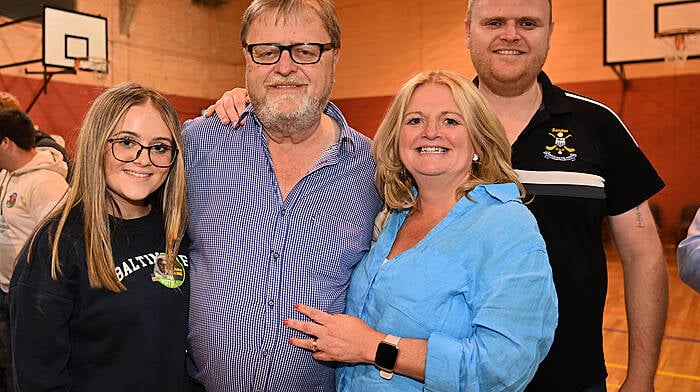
[{"x": 100, "y": 292}]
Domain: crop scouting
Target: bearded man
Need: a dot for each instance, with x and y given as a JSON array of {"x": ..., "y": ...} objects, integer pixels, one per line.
[{"x": 281, "y": 210}]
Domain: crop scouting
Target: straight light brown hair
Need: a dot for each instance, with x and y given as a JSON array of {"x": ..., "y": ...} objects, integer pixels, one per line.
[{"x": 89, "y": 188}]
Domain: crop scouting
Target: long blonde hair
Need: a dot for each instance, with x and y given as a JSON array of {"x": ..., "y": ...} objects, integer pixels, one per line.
[
  {"x": 89, "y": 188},
  {"x": 486, "y": 134}
]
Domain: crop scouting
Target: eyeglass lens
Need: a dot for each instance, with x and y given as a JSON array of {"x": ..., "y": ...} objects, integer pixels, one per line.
[
  {"x": 127, "y": 150},
  {"x": 300, "y": 53}
]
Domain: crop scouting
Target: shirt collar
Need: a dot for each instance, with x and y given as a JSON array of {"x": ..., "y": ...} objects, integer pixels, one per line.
[
  {"x": 502, "y": 192},
  {"x": 346, "y": 141},
  {"x": 553, "y": 98}
]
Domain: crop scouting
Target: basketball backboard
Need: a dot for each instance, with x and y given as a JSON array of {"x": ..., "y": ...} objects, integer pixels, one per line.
[
  {"x": 634, "y": 29},
  {"x": 74, "y": 39}
]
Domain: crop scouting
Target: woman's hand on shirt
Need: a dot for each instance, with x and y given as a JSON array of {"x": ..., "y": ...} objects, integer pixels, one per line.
[{"x": 339, "y": 337}]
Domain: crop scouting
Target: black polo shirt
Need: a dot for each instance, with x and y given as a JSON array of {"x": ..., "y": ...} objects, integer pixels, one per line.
[{"x": 579, "y": 163}]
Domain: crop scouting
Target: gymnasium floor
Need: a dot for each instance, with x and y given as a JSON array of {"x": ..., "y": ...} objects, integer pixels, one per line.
[{"x": 679, "y": 363}]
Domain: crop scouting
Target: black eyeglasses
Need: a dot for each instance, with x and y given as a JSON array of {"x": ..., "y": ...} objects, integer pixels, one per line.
[
  {"x": 304, "y": 53},
  {"x": 129, "y": 150}
]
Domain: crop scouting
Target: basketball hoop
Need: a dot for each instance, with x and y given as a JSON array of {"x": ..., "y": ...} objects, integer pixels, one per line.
[
  {"x": 98, "y": 65},
  {"x": 677, "y": 42}
]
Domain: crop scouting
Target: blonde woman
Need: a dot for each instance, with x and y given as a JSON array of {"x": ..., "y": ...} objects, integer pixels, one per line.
[
  {"x": 457, "y": 292},
  {"x": 91, "y": 310}
]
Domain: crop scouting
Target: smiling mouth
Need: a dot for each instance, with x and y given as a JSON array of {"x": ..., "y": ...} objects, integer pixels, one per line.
[
  {"x": 285, "y": 83},
  {"x": 431, "y": 150},
  {"x": 508, "y": 51},
  {"x": 135, "y": 174}
]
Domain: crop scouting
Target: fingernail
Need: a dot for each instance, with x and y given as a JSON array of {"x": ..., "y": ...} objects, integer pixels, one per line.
[
  {"x": 291, "y": 341},
  {"x": 296, "y": 306},
  {"x": 285, "y": 322}
]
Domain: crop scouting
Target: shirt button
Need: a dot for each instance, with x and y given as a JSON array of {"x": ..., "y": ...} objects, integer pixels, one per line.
[
  {"x": 264, "y": 354},
  {"x": 271, "y": 303},
  {"x": 275, "y": 255},
  {"x": 283, "y": 212}
]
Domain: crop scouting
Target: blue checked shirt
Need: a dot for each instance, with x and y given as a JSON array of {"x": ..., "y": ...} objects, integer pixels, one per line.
[{"x": 254, "y": 255}]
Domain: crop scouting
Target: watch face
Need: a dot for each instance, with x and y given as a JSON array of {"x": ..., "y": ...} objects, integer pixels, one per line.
[{"x": 386, "y": 356}]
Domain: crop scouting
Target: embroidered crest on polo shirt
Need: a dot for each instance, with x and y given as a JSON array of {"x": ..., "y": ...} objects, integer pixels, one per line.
[{"x": 560, "y": 151}]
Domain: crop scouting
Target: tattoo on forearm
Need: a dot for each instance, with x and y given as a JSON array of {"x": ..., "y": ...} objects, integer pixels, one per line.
[{"x": 639, "y": 217}]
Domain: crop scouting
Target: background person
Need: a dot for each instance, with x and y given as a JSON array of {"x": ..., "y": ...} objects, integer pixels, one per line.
[
  {"x": 689, "y": 255},
  {"x": 459, "y": 273},
  {"x": 32, "y": 182},
  {"x": 43, "y": 141},
  {"x": 86, "y": 314},
  {"x": 9, "y": 101},
  {"x": 281, "y": 210}
]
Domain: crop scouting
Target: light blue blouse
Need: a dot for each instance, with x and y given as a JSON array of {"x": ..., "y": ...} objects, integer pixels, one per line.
[{"x": 478, "y": 287}]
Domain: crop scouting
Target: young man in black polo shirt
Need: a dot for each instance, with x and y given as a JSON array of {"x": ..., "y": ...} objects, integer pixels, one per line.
[{"x": 580, "y": 164}]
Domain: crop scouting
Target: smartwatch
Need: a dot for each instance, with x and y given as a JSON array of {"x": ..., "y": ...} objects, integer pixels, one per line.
[{"x": 385, "y": 359}]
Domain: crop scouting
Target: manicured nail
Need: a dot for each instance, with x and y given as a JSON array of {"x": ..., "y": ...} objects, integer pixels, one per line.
[
  {"x": 296, "y": 306},
  {"x": 291, "y": 341},
  {"x": 285, "y": 322}
]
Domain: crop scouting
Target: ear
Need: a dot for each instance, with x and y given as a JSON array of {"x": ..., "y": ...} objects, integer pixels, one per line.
[
  {"x": 6, "y": 146},
  {"x": 467, "y": 34},
  {"x": 336, "y": 57},
  {"x": 551, "y": 30},
  {"x": 245, "y": 53},
  {"x": 247, "y": 62}
]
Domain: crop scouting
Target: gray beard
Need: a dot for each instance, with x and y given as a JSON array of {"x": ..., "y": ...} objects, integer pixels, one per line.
[{"x": 306, "y": 116}]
